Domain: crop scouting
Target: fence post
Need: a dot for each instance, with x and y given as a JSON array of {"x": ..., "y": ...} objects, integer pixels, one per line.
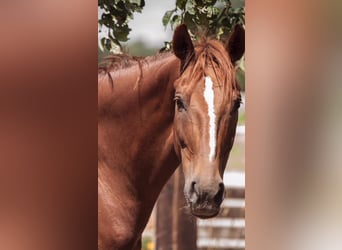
[
  {"x": 176, "y": 228},
  {"x": 164, "y": 218},
  {"x": 185, "y": 228}
]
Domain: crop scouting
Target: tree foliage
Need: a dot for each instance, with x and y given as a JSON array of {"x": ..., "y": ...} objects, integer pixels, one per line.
[
  {"x": 115, "y": 16},
  {"x": 206, "y": 17},
  {"x": 203, "y": 17}
]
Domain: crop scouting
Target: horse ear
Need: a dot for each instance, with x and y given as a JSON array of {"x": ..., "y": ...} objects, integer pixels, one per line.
[
  {"x": 182, "y": 44},
  {"x": 236, "y": 43}
]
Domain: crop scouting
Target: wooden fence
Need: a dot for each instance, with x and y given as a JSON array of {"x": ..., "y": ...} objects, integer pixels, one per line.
[
  {"x": 178, "y": 231},
  {"x": 227, "y": 230}
]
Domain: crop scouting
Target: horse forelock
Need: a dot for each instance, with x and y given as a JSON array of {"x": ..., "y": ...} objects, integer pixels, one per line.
[{"x": 212, "y": 59}]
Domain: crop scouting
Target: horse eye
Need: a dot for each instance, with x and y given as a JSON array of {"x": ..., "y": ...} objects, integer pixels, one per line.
[
  {"x": 182, "y": 144},
  {"x": 180, "y": 104}
]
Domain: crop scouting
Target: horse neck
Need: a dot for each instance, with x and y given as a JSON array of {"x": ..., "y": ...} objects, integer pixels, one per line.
[{"x": 136, "y": 129}]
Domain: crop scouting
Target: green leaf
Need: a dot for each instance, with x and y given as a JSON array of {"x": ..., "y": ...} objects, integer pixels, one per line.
[
  {"x": 137, "y": 2},
  {"x": 140, "y": 3},
  {"x": 219, "y": 33},
  {"x": 107, "y": 44},
  {"x": 189, "y": 21},
  {"x": 190, "y": 7},
  {"x": 167, "y": 17},
  {"x": 121, "y": 33},
  {"x": 167, "y": 47},
  {"x": 237, "y": 3},
  {"x": 203, "y": 19},
  {"x": 181, "y": 4},
  {"x": 176, "y": 19},
  {"x": 101, "y": 44},
  {"x": 225, "y": 22}
]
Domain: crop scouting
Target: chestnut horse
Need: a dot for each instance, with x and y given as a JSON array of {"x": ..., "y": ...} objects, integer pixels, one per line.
[{"x": 155, "y": 114}]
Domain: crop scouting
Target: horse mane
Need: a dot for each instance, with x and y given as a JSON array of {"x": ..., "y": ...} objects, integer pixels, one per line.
[
  {"x": 124, "y": 61},
  {"x": 117, "y": 62}
]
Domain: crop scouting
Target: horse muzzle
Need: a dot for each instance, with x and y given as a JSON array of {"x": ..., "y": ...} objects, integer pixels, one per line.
[{"x": 205, "y": 202}]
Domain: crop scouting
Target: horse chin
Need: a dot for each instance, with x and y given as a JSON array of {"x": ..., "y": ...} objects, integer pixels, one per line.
[{"x": 205, "y": 213}]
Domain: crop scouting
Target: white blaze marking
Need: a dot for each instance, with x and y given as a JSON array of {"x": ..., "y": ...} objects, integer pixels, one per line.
[{"x": 209, "y": 98}]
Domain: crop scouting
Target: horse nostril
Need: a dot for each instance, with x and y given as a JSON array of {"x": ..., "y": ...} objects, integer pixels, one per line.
[
  {"x": 221, "y": 186},
  {"x": 193, "y": 187},
  {"x": 193, "y": 192},
  {"x": 219, "y": 195}
]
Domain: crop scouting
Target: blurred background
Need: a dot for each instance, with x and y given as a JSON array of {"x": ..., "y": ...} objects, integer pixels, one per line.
[{"x": 48, "y": 96}]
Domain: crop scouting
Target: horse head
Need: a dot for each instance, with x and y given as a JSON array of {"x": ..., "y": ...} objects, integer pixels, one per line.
[{"x": 207, "y": 98}]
